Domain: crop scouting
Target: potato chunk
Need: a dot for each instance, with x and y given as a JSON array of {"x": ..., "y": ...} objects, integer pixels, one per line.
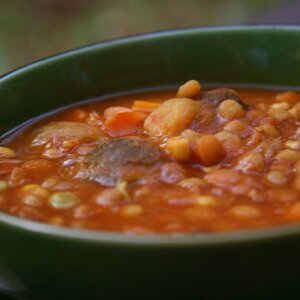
[{"x": 173, "y": 116}]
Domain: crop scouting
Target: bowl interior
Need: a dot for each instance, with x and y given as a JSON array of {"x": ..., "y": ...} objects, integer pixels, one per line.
[{"x": 254, "y": 56}]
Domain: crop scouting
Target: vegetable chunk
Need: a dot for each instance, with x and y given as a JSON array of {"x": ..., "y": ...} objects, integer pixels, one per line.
[
  {"x": 121, "y": 159},
  {"x": 215, "y": 97},
  {"x": 173, "y": 116},
  {"x": 64, "y": 129}
]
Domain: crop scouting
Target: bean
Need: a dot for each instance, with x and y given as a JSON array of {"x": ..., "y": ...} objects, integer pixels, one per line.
[
  {"x": 109, "y": 197},
  {"x": 178, "y": 148},
  {"x": 236, "y": 126},
  {"x": 191, "y": 135},
  {"x": 32, "y": 201},
  {"x": 35, "y": 190},
  {"x": 230, "y": 110},
  {"x": 289, "y": 97},
  {"x": 37, "y": 165},
  {"x": 3, "y": 185},
  {"x": 131, "y": 210},
  {"x": 53, "y": 153},
  {"x": 269, "y": 130},
  {"x": 85, "y": 211},
  {"x": 6, "y": 152},
  {"x": 281, "y": 105},
  {"x": 205, "y": 200},
  {"x": 17, "y": 176},
  {"x": 280, "y": 114},
  {"x": 63, "y": 200},
  {"x": 190, "y": 89},
  {"x": 288, "y": 155},
  {"x": 191, "y": 183},
  {"x": 245, "y": 211},
  {"x": 209, "y": 150},
  {"x": 292, "y": 145},
  {"x": 70, "y": 143},
  {"x": 276, "y": 177},
  {"x": 295, "y": 111}
]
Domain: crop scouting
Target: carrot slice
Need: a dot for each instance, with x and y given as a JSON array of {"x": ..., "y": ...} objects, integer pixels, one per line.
[
  {"x": 145, "y": 106},
  {"x": 121, "y": 121}
]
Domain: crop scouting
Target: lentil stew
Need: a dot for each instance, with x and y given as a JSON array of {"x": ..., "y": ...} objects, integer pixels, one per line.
[{"x": 190, "y": 161}]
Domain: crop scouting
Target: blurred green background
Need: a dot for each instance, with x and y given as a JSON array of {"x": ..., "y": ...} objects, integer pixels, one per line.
[{"x": 32, "y": 29}]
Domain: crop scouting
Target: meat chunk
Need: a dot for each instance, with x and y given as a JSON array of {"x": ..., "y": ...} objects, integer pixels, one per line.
[
  {"x": 63, "y": 130},
  {"x": 122, "y": 159},
  {"x": 215, "y": 97},
  {"x": 173, "y": 116}
]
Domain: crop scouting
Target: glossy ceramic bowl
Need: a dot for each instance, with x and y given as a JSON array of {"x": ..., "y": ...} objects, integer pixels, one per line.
[{"x": 38, "y": 261}]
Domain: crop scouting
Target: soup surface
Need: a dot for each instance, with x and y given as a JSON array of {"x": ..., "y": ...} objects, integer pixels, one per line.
[{"x": 186, "y": 161}]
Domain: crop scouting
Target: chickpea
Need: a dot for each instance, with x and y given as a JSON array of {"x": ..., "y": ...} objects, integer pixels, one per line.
[
  {"x": 288, "y": 155},
  {"x": 276, "y": 177},
  {"x": 230, "y": 110},
  {"x": 268, "y": 129},
  {"x": 32, "y": 201},
  {"x": 178, "y": 148},
  {"x": 289, "y": 97},
  {"x": 6, "y": 152},
  {"x": 109, "y": 197},
  {"x": 206, "y": 200},
  {"x": 245, "y": 211},
  {"x": 190, "y": 89},
  {"x": 191, "y": 183},
  {"x": 280, "y": 114},
  {"x": 53, "y": 153},
  {"x": 292, "y": 145},
  {"x": 70, "y": 143},
  {"x": 131, "y": 210},
  {"x": 209, "y": 149},
  {"x": 236, "y": 126},
  {"x": 3, "y": 185},
  {"x": 191, "y": 135},
  {"x": 295, "y": 111},
  {"x": 63, "y": 200},
  {"x": 281, "y": 105},
  {"x": 34, "y": 190}
]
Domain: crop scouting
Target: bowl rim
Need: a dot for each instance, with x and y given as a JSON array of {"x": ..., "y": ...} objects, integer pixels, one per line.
[{"x": 271, "y": 233}]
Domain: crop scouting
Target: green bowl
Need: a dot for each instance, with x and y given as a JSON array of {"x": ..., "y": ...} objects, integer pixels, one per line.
[{"x": 39, "y": 261}]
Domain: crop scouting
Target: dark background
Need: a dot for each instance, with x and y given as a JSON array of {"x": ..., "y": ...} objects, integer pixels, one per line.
[{"x": 32, "y": 29}]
